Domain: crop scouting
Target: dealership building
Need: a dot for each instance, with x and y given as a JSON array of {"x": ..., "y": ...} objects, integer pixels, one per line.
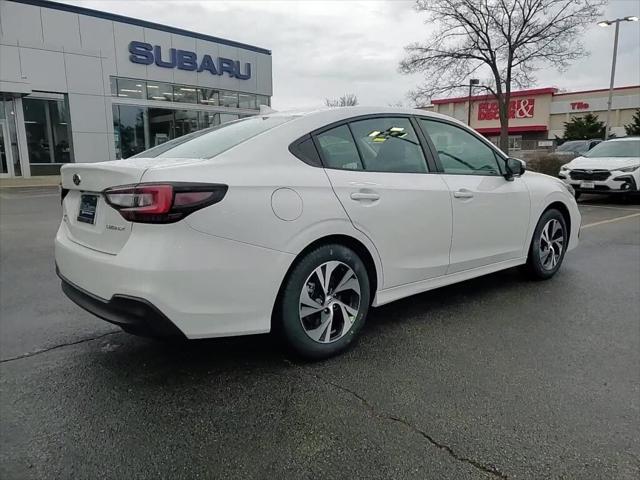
[
  {"x": 80, "y": 85},
  {"x": 538, "y": 115}
]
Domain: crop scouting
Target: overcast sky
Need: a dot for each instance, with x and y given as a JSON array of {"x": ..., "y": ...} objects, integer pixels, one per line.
[{"x": 326, "y": 48}]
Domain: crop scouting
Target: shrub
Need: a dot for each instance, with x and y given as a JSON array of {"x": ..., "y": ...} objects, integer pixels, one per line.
[{"x": 546, "y": 163}]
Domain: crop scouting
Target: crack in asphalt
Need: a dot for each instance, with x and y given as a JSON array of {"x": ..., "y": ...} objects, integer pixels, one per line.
[
  {"x": 490, "y": 469},
  {"x": 55, "y": 347}
]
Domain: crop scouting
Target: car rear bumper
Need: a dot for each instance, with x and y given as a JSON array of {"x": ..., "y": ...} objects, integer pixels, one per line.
[
  {"x": 132, "y": 314},
  {"x": 204, "y": 285}
]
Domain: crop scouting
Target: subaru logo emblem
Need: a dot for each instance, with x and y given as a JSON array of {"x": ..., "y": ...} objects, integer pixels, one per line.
[
  {"x": 76, "y": 179},
  {"x": 588, "y": 171}
]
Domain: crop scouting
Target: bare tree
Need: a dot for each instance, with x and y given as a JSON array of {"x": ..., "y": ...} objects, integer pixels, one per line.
[
  {"x": 346, "y": 100},
  {"x": 505, "y": 41}
]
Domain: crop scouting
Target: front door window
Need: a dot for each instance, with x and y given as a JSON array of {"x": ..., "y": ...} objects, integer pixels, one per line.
[{"x": 460, "y": 152}]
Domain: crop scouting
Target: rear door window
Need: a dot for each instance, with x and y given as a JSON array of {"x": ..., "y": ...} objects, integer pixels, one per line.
[
  {"x": 338, "y": 149},
  {"x": 389, "y": 144}
]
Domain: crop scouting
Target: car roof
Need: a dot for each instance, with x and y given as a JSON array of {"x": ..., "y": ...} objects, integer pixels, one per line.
[
  {"x": 348, "y": 112},
  {"x": 327, "y": 115},
  {"x": 623, "y": 139}
]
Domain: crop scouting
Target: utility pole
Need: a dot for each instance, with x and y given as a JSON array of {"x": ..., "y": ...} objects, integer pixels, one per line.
[
  {"x": 472, "y": 82},
  {"x": 606, "y": 23}
]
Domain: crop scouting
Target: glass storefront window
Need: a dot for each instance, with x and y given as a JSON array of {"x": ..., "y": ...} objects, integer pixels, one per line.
[
  {"x": 161, "y": 126},
  {"x": 159, "y": 91},
  {"x": 116, "y": 130},
  {"x": 138, "y": 128},
  {"x": 60, "y": 128},
  {"x": 185, "y": 94},
  {"x": 247, "y": 100},
  {"x": 227, "y": 117},
  {"x": 228, "y": 99},
  {"x": 515, "y": 142},
  {"x": 208, "y": 96},
  {"x": 263, "y": 100},
  {"x": 131, "y": 88},
  {"x": 7, "y": 113},
  {"x": 47, "y": 128},
  {"x": 209, "y": 119},
  {"x": 129, "y": 130},
  {"x": 167, "y": 92},
  {"x": 186, "y": 121}
]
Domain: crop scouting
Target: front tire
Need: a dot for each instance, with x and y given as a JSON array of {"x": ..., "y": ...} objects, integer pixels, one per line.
[
  {"x": 548, "y": 246},
  {"x": 324, "y": 302}
]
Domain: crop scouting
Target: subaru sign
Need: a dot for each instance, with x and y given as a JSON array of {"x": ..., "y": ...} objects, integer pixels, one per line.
[{"x": 147, "y": 54}]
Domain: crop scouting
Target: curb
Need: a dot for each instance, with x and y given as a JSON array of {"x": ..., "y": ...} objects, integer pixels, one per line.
[
  {"x": 33, "y": 182},
  {"x": 30, "y": 185}
]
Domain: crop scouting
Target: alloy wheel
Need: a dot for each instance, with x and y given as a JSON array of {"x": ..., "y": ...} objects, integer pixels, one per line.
[
  {"x": 329, "y": 302},
  {"x": 551, "y": 244}
]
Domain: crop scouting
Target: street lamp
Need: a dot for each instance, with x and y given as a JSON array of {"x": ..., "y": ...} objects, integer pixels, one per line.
[
  {"x": 606, "y": 23},
  {"x": 472, "y": 82}
]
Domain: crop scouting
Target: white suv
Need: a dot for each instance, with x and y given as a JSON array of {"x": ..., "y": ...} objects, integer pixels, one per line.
[
  {"x": 300, "y": 222},
  {"x": 610, "y": 167}
]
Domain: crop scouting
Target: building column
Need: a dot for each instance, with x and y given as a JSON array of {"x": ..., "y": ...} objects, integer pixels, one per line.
[{"x": 21, "y": 134}]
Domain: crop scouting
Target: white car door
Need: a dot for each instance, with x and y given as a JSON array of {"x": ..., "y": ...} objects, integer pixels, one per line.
[
  {"x": 490, "y": 212},
  {"x": 378, "y": 170}
]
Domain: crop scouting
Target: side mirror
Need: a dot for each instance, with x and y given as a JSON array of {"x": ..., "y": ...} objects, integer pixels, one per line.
[{"x": 515, "y": 168}]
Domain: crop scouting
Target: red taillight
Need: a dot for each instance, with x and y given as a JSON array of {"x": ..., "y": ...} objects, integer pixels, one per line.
[{"x": 162, "y": 203}]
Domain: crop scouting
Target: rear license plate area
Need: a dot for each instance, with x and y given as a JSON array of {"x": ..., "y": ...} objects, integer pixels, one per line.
[{"x": 87, "y": 212}]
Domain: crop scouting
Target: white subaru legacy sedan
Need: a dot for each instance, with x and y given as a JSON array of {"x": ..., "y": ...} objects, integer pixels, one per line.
[{"x": 299, "y": 223}]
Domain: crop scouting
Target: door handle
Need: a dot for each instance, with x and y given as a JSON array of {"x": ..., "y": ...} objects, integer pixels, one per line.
[
  {"x": 463, "y": 193},
  {"x": 364, "y": 196}
]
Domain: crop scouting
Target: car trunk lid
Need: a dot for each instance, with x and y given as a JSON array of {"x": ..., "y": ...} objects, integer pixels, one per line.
[{"x": 90, "y": 220}]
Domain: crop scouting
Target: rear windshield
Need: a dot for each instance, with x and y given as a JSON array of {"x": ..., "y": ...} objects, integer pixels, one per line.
[
  {"x": 627, "y": 148},
  {"x": 210, "y": 142}
]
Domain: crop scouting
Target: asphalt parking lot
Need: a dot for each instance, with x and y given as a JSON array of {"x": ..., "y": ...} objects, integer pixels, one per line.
[{"x": 497, "y": 377}]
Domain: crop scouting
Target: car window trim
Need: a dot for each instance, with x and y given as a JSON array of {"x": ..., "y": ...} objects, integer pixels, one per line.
[
  {"x": 353, "y": 137},
  {"x": 501, "y": 160},
  {"x": 430, "y": 162},
  {"x": 430, "y": 153}
]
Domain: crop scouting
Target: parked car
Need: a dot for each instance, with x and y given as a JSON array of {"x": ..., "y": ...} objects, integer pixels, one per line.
[
  {"x": 576, "y": 148},
  {"x": 299, "y": 222},
  {"x": 610, "y": 167}
]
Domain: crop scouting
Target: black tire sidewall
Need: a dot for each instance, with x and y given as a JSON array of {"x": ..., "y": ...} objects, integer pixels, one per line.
[
  {"x": 533, "y": 262},
  {"x": 287, "y": 313}
]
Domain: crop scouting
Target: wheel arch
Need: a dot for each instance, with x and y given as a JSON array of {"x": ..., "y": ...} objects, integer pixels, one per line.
[
  {"x": 563, "y": 209},
  {"x": 354, "y": 244}
]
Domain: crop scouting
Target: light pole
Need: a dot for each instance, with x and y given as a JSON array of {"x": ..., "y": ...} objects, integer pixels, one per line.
[
  {"x": 472, "y": 82},
  {"x": 606, "y": 23}
]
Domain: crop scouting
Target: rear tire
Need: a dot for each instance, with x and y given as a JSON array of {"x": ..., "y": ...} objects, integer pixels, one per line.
[
  {"x": 323, "y": 303},
  {"x": 548, "y": 246}
]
